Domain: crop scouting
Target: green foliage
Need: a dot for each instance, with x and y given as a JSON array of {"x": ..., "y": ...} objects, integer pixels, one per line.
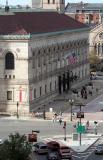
[
  {"x": 93, "y": 58},
  {"x": 15, "y": 148}
]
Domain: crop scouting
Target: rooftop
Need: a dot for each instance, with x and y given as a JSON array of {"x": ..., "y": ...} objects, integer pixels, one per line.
[
  {"x": 23, "y": 23},
  {"x": 72, "y": 7}
]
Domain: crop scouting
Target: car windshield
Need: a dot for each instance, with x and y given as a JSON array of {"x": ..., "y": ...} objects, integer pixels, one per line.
[
  {"x": 43, "y": 147},
  {"x": 99, "y": 147},
  {"x": 64, "y": 147}
]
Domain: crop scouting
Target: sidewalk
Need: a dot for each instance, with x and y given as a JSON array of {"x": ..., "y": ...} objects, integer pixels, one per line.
[
  {"x": 61, "y": 102},
  {"x": 86, "y": 141}
]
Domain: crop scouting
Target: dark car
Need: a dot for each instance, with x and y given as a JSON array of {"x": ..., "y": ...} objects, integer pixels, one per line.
[
  {"x": 53, "y": 145},
  {"x": 99, "y": 149}
]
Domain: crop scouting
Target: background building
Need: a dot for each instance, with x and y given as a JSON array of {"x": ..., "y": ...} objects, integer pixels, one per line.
[
  {"x": 89, "y": 13},
  {"x": 96, "y": 40},
  {"x": 58, "y": 5}
]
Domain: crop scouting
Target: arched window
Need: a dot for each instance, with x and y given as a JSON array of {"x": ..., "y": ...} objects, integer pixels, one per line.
[{"x": 9, "y": 61}]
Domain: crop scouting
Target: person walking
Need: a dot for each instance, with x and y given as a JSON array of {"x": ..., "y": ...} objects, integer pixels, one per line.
[
  {"x": 60, "y": 121},
  {"x": 53, "y": 118},
  {"x": 97, "y": 91}
]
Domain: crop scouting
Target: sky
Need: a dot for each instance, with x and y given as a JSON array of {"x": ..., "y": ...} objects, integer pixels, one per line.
[{"x": 27, "y": 2}]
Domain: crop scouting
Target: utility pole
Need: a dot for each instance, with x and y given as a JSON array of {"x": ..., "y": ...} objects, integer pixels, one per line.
[
  {"x": 17, "y": 110},
  {"x": 80, "y": 124},
  {"x": 71, "y": 101},
  {"x": 44, "y": 112}
]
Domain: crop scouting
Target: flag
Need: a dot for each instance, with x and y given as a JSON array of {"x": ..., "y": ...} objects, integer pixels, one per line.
[{"x": 72, "y": 59}]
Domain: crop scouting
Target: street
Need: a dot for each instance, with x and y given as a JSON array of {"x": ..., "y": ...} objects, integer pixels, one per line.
[{"x": 48, "y": 129}]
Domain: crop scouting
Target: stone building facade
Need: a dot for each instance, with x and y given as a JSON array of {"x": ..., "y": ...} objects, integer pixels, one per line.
[
  {"x": 58, "y": 5},
  {"x": 96, "y": 40},
  {"x": 39, "y": 60}
]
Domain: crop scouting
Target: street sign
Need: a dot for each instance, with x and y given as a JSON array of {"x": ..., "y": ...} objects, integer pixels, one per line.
[
  {"x": 32, "y": 137},
  {"x": 81, "y": 129},
  {"x": 80, "y": 114},
  {"x": 75, "y": 137}
]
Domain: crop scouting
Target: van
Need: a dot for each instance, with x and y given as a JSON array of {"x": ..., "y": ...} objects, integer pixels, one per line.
[
  {"x": 65, "y": 152},
  {"x": 40, "y": 148}
]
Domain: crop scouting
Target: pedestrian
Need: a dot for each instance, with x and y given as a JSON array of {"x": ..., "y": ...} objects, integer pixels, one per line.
[
  {"x": 97, "y": 91},
  {"x": 53, "y": 118},
  {"x": 87, "y": 124},
  {"x": 60, "y": 121},
  {"x": 85, "y": 94},
  {"x": 82, "y": 92}
]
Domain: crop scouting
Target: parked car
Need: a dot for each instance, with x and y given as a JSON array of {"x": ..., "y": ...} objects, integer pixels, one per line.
[
  {"x": 99, "y": 77},
  {"x": 65, "y": 152},
  {"x": 99, "y": 149},
  {"x": 53, "y": 145},
  {"x": 53, "y": 156},
  {"x": 40, "y": 148}
]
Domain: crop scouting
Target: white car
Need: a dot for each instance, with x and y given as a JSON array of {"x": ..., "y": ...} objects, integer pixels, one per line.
[
  {"x": 40, "y": 148},
  {"x": 1, "y": 141},
  {"x": 99, "y": 77}
]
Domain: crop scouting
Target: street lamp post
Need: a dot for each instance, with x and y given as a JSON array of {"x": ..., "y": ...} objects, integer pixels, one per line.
[
  {"x": 44, "y": 112},
  {"x": 17, "y": 110},
  {"x": 71, "y": 101},
  {"x": 80, "y": 105}
]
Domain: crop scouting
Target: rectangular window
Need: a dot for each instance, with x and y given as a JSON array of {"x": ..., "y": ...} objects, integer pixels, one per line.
[
  {"x": 48, "y": 1},
  {"x": 33, "y": 60},
  {"x": 50, "y": 86},
  {"x": 44, "y": 60},
  {"x": 34, "y": 93},
  {"x": 5, "y": 76},
  {"x": 9, "y": 95},
  {"x": 55, "y": 85},
  {"x": 39, "y": 61},
  {"x": 45, "y": 88},
  {"x": 62, "y": 1},
  {"x": 40, "y": 91},
  {"x": 53, "y": 1}
]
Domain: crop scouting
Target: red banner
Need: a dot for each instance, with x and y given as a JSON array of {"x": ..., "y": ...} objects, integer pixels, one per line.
[{"x": 20, "y": 95}]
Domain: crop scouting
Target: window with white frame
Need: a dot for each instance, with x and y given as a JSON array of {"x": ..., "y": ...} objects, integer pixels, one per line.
[
  {"x": 40, "y": 90},
  {"x": 33, "y": 60},
  {"x": 55, "y": 85},
  {"x": 53, "y": 1},
  {"x": 34, "y": 92},
  {"x": 48, "y": 1},
  {"x": 50, "y": 86},
  {"x": 39, "y": 61},
  {"x": 9, "y": 95},
  {"x": 45, "y": 88}
]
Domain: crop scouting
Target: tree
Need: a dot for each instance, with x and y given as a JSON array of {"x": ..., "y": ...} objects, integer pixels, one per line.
[
  {"x": 94, "y": 61},
  {"x": 15, "y": 148},
  {"x": 93, "y": 58}
]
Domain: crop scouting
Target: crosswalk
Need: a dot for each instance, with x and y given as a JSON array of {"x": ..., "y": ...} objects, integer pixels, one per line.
[{"x": 78, "y": 155}]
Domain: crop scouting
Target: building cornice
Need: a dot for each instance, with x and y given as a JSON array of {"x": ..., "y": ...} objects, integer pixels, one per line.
[
  {"x": 15, "y": 37},
  {"x": 59, "y": 32},
  {"x": 30, "y": 36}
]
